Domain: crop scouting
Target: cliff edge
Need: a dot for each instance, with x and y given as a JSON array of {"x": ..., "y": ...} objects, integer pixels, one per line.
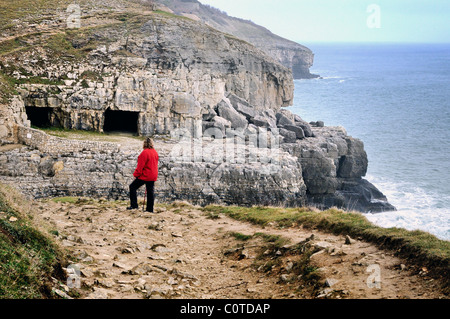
[{"x": 292, "y": 55}]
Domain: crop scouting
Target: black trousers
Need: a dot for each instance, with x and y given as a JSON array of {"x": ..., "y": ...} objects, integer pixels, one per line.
[{"x": 150, "y": 193}]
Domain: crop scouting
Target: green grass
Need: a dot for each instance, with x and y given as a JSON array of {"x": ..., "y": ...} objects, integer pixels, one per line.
[
  {"x": 419, "y": 247},
  {"x": 12, "y": 45},
  {"x": 7, "y": 89},
  {"x": 62, "y": 47},
  {"x": 240, "y": 236},
  {"x": 66, "y": 133},
  {"x": 277, "y": 240},
  {"x": 28, "y": 257},
  {"x": 91, "y": 75},
  {"x": 35, "y": 80},
  {"x": 67, "y": 199}
]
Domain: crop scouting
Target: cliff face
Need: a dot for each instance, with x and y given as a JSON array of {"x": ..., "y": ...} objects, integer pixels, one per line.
[
  {"x": 292, "y": 55},
  {"x": 213, "y": 97},
  {"x": 166, "y": 71}
]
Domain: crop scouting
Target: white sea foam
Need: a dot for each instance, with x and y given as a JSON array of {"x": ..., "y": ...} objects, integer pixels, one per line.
[
  {"x": 390, "y": 91},
  {"x": 417, "y": 209},
  {"x": 330, "y": 77}
]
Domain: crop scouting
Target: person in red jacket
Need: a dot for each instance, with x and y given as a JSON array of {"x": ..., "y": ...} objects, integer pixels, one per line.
[{"x": 146, "y": 173}]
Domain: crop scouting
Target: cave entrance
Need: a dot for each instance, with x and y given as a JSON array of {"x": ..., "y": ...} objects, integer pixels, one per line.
[
  {"x": 39, "y": 116},
  {"x": 121, "y": 122}
]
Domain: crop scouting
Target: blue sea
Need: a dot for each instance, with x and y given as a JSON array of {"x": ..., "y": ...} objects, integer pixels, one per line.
[{"x": 396, "y": 99}]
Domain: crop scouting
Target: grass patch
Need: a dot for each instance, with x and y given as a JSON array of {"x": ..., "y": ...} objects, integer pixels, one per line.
[
  {"x": 28, "y": 257},
  {"x": 7, "y": 89},
  {"x": 75, "y": 200},
  {"x": 68, "y": 199},
  {"x": 179, "y": 204},
  {"x": 61, "y": 45},
  {"x": 212, "y": 215},
  {"x": 35, "y": 80},
  {"x": 91, "y": 75},
  {"x": 309, "y": 273},
  {"x": 12, "y": 45},
  {"x": 277, "y": 240},
  {"x": 260, "y": 215},
  {"x": 273, "y": 256},
  {"x": 240, "y": 236},
  {"x": 66, "y": 133},
  {"x": 86, "y": 135}
]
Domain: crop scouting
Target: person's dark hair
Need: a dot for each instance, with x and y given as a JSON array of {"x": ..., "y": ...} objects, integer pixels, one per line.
[{"x": 148, "y": 143}]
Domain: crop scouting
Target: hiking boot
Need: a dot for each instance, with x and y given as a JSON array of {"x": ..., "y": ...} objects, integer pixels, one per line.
[{"x": 131, "y": 208}]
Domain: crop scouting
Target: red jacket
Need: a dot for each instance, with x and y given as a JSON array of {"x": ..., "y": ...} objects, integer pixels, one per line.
[{"x": 147, "y": 167}]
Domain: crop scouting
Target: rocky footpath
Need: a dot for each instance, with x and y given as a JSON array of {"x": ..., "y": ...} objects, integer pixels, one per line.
[{"x": 184, "y": 252}]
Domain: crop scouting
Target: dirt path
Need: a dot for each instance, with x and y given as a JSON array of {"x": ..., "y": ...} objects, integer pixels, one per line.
[{"x": 181, "y": 252}]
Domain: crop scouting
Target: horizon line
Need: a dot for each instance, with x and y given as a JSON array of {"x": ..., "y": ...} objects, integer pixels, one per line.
[{"x": 366, "y": 42}]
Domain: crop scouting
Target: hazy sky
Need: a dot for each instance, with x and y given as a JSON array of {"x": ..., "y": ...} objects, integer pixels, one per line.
[{"x": 346, "y": 20}]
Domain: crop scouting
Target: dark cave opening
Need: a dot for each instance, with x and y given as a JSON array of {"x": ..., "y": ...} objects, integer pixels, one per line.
[
  {"x": 39, "y": 116},
  {"x": 121, "y": 121}
]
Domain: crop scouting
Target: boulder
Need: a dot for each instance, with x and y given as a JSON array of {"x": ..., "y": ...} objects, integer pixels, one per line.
[
  {"x": 317, "y": 124},
  {"x": 262, "y": 121},
  {"x": 288, "y": 114},
  {"x": 283, "y": 120},
  {"x": 363, "y": 196},
  {"x": 306, "y": 127},
  {"x": 289, "y": 136},
  {"x": 186, "y": 105},
  {"x": 217, "y": 122},
  {"x": 226, "y": 111},
  {"x": 208, "y": 114},
  {"x": 222, "y": 121},
  {"x": 354, "y": 164},
  {"x": 271, "y": 115},
  {"x": 265, "y": 118},
  {"x": 296, "y": 129},
  {"x": 242, "y": 106},
  {"x": 297, "y": 118}
]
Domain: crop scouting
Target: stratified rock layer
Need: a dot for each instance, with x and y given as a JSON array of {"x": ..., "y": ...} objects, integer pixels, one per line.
[
  {"x": 292, "y": 55},
  {"x": 213, "y": 97}
]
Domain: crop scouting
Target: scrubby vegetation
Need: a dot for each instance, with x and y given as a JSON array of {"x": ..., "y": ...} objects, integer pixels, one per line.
[{"x": 28, "y": 255}]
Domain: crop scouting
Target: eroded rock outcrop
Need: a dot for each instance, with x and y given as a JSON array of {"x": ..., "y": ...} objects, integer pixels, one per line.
[{"x": 213, "y": 101}]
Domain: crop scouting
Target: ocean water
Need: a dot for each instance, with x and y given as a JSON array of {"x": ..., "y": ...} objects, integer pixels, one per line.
[{"x": 396, "y": 99}]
